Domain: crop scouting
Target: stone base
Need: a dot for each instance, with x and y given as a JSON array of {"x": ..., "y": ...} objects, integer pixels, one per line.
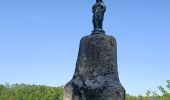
[
  {"x": 98, "y": 31},
  {"x": 88, "y": 90},
  {"x": 96, "y": 73}
]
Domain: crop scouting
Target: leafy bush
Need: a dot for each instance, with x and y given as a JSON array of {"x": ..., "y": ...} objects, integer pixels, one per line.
[{"x": 30, "y": 92}]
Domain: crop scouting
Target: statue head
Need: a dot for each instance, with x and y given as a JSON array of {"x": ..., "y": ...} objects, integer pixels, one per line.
[{"x": 99, "y": 1}]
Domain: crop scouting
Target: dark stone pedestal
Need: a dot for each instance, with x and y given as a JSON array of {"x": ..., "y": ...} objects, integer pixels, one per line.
[{"x": 96, "y": 73}]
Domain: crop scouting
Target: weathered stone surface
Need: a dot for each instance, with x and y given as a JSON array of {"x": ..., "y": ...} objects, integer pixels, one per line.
[{"x": 96, "y": 73}]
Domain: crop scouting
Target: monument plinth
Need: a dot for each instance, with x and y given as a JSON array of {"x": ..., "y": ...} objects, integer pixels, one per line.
[
  {"x": 96, "y": 75},
  {"x": 96, "y": 72}
]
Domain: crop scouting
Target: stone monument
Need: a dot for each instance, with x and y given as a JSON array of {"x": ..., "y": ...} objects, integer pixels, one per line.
[{"x": 96, "y": 73}]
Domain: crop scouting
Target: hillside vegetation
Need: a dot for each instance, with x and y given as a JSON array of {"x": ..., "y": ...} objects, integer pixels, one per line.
[
  {"x": 41, "y": 92},
  {"x": 30, "y": 92}
]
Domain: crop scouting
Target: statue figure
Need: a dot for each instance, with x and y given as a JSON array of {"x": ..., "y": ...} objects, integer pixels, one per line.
[{"x": 98, "y": 15}]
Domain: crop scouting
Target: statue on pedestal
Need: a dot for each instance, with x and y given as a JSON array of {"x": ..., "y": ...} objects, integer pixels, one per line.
[
  {"x": 98, "y": 10},
  {"x": 96, "y": 73}
]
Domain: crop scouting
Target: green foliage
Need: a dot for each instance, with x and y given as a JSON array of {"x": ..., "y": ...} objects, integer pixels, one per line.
[
  {"x": 165, "y": 91},
  {"x": 168, "y": 84},
  {"x": 152, "y": 95},
  {"x": 41, "y": 92},
  {"x": 30, "y": 92}
]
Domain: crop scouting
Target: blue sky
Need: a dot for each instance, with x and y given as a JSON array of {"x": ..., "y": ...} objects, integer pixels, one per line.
[{"x": 39, "y": 40}]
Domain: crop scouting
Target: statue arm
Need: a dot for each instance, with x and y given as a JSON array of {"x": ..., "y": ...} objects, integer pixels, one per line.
[
  {"x": 104, "y": 6},
  {"x": 101, "y": 4}
]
